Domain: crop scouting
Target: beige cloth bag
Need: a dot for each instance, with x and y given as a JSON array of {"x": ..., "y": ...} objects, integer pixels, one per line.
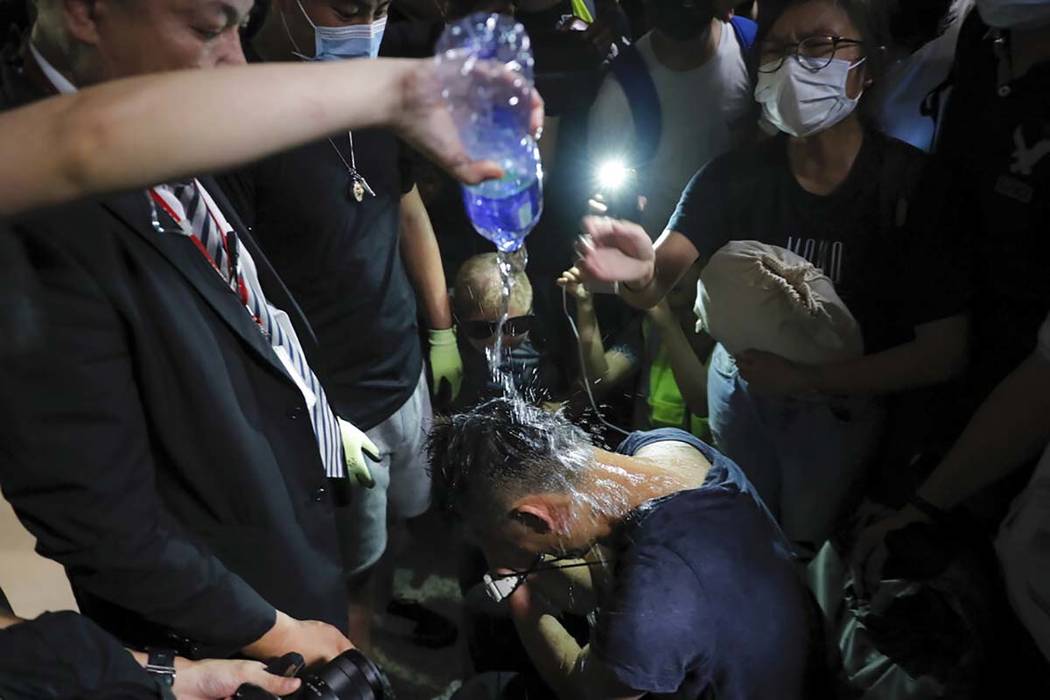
[{"x": 753, "y": 296}]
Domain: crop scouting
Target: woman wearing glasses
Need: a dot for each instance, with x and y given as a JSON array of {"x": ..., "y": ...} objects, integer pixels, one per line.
[{"x": 851, "y": 201}]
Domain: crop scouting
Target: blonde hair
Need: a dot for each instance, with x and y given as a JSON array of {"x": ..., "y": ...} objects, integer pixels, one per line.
[{"x": 478, "y": 288}]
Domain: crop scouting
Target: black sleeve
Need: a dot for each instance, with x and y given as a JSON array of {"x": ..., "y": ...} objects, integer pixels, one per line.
[
  {"x": 239, "y": 188},
  {"x": 934, "y": 258},
  {"x": 77, "y": 465},
  {"x": 701, "y": 212},
  {"x": 406, "y": 169},
  {"x": 65, "y": 655}
]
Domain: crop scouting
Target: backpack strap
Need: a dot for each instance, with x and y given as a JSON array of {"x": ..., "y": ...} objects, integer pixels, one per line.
[
  {"x": 631, "y": 72},
  {"x": 746, "y": 31}
]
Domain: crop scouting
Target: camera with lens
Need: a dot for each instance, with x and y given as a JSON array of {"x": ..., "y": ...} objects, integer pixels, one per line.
[{"x": 349, "y": 676}]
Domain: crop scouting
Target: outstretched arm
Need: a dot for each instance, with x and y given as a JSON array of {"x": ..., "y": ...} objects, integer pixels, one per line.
[
  {"x": 1011, "y": 426},
  {"x": 613, "y": 250},
  {"x": 133, "y": 132},
  {"x": 604, "y": 369}
]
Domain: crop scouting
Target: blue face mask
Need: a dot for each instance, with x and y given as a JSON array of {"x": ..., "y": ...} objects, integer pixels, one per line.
[{"x": 351, "y": 41}]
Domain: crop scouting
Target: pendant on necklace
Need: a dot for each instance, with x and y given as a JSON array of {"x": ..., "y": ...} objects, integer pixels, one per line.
[{"x": 358, "y": 190}]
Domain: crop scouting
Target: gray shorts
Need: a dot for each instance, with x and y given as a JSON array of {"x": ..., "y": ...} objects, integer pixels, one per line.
[{"x": 402, "y": 487}]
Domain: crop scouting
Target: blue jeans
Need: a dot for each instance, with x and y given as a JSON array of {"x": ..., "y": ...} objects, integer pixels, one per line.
[{"x": 806, "y": 456}]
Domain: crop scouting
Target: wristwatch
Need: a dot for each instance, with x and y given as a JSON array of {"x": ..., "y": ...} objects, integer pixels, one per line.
[{"x": 161, "y": 665}]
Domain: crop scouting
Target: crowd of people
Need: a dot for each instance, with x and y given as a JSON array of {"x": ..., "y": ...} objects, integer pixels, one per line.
[{"x": 764, "y": 412}]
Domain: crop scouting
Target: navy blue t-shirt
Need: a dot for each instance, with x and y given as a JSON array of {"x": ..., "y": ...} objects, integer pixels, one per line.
[
  {"x": 706, "y": 600},
  {"x": 883, "y": 236}
]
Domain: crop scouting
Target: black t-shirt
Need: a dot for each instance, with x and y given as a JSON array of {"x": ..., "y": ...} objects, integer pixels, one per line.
[
  {"x": 569, "y": 69},
  {"x": 340, "y": 259},
  {"x": 65, "y": 655},
  {"x": 998, "y": 149},
  {"x": 872, "y": 236},
  {"x": 706, "y": 602},
  {"x": 20, "y": 315}
]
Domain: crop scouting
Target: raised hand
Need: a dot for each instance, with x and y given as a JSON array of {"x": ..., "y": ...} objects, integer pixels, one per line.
[
  {"x": 425, "y": 120},
  {"x": 612, "y": 250}
]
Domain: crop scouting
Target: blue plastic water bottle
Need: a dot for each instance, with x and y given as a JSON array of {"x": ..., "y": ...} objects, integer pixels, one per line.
[{"x": 492, "y": 117}]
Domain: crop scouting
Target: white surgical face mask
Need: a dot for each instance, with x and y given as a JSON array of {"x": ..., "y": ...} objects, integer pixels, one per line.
[
  {"x": 1014, "y": 14},
  {"x": 801, "y": 102},
  {"x": 351, "y": 41}
]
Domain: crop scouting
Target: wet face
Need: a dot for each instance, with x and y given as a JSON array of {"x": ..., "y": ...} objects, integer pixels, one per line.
[
  {"x": 147, "y": 36},
  {"x": 812, "y": 21},
  {"x": 521, "y": 537},
  {"x": 512, "y": 335}
]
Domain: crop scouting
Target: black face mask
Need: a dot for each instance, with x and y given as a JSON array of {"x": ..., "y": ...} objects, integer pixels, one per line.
[{"x": 681, "y": 19}]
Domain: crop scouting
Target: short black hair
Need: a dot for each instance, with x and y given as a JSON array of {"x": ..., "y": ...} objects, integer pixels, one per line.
[
  {"x": 866, "y": 15},
  {"x": 486, "y": 458}
]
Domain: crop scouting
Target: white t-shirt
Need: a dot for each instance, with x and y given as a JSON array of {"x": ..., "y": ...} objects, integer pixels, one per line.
[{"x": 697, "y": 108}]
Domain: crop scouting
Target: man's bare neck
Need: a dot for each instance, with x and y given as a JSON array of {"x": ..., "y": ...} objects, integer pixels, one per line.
[
  {"x": 657, "y": 470},
  {"x": 58, "y": 58}
]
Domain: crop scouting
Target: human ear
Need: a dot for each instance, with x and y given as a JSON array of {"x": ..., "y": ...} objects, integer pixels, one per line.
[
  {"x": 535, "y": 517},
  {"x": 81, "y": 19}
]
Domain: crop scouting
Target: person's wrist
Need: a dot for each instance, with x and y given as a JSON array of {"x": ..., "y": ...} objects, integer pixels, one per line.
[
  {"x": 273, "y": 640},
  {"x": 185, "y": 679},
  {"x": 161, "y": 665},
  {"x": 929, "y": 510},
  {"x": 641, "y": 284},
  {"x": 394, "y": 103},
  {"x": 442, "y": 336}
]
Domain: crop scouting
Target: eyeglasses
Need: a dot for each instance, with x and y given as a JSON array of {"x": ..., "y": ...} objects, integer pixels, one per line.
[
  {"x": 482, "y": 330},
  {"x": 814, "y": 53},
  {"x": 499, "y": 587}
]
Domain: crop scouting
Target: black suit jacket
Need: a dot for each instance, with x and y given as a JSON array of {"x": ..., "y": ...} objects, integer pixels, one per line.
[{"x": 153, "y": 442}]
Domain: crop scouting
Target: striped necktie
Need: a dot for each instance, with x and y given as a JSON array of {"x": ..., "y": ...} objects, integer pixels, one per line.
[{"x": 224, "y": 251}]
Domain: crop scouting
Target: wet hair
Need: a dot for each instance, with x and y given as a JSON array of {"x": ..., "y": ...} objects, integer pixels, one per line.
[
  {"x": 478, "y": 288},
  {"x": 483, "y": 460}
]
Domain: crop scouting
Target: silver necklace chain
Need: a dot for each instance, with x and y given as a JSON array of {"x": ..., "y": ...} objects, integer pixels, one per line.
[
  {"x": 351, "y": 165},
  {"x": 358, "y": 184}
]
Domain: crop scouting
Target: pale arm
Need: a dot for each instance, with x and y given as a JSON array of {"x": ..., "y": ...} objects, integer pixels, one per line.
[
  {"x": 938, "y": 353},
  {"x": 690, "y": 373},
  {"x": 132, "y": 132},
  {"x": 422, "y": 258},
  {"x": 1010, "y": 427},
  {"x": 605, "y": 369},
  {"x": 571, "y": 671},
  {"x": 620, "y": 251}
]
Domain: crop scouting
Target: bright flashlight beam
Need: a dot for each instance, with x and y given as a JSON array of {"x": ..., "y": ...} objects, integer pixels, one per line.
[{"x": 612, "y": 174}]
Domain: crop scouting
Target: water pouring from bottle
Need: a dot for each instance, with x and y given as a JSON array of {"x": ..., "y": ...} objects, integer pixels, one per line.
[{"x": 493, "y": 120}]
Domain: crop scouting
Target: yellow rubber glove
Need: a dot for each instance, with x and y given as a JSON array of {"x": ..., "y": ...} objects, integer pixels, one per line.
[
  {"x": 445, "y": 362},
  {"x": 355, "y": 446}
]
